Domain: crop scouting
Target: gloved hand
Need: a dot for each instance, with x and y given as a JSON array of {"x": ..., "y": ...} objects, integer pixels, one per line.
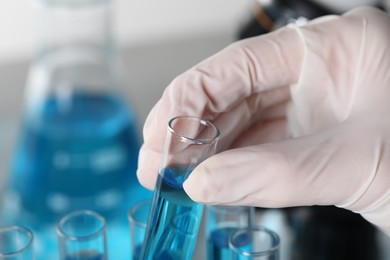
[{"x": 304, "y": 117}]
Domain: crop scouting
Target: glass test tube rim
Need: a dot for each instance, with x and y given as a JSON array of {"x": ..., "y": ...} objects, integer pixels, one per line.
[
  {"x": 267, "y": 252},
  {"x": 67, "y": 236},
  {"x": 185, "y": 138},
  {"x": 133, "y": 209},
  {"x": 26, "y": 231}
]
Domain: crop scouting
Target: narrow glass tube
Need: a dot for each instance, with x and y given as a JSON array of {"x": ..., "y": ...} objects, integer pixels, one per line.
[
  {"x": 221, "y": 222},
  {"x": 82, "y": 236},
  {"x": 16, "y": 243},
  {"x": 174, "y": 218},
  {"x": 138, "y": 217},
  {"x": 255, "y": 242}
]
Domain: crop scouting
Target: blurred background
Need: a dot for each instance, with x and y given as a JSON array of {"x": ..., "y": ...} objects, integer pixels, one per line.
[
  {"x": 149, "y": 34},
  {"x": 157, "y": 41}
]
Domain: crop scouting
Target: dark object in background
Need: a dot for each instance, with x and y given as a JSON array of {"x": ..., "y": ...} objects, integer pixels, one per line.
[
  {"x": 277, "y": 13},
  {"x": 325, "y": 232},
  {"x": 328, "y": 232}
]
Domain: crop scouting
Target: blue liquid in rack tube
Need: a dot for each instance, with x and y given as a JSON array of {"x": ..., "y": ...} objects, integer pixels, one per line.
[
  {"x": 218, "y": 244},
  {"x": 175, "y": 218},
  {"x": 86, "y": 255},
  {"x": 137, "y": 252}
]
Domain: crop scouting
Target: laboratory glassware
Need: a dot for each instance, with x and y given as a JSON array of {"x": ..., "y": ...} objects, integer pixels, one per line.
[
  {"x": 220, "y": 223},
  {"x": 16, "y": 243},
  {"x": 82, "y": 236},
  {"x": 138, "y": 217},
  {"x": 78, "y": 146},
  {"x": 174, "y": 219},
  {"x": 254, "y": 242}
]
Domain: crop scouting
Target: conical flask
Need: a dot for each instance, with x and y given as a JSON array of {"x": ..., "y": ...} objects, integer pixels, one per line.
[{"x": 79, "y": 143}]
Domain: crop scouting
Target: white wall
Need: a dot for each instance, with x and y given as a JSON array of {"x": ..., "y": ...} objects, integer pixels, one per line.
[{"x": 137, "y": 21}]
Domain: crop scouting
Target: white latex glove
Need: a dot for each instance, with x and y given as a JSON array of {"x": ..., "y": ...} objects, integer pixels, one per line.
[{"x": 304, "y": 115}]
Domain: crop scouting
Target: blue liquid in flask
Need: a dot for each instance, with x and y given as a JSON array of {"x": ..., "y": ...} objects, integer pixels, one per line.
[
  {"x": 175, "y": 218},
  {"x": 77, "y": 153}
]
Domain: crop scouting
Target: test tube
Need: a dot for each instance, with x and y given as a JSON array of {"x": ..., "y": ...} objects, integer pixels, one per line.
[
  {"x": 220, "y": 223},
  {"x": 138, "y": 217},
  {"x": 174, "y": 218},
  {"x": 254, "y": 242},
  {"x": 82, "y": 236},
  {"x": 16, "y": 243}
]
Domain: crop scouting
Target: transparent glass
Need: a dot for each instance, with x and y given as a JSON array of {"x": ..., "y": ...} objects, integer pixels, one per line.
[
  {"x": 220, "y": 223},
  {"x": 16, "y": 243},
  {"x": 77, "y": 127},
  {"x": 82, "y": 236},
  {"x": 174, "y": 218},
  {"x": 255, "y": 242},
  {"x": 138, "y": 217}
]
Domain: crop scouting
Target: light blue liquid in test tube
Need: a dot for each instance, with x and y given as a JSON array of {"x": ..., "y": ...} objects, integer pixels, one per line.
[
  {"x": 221, "y": 223},
  {"x": 174, "y": 218}
]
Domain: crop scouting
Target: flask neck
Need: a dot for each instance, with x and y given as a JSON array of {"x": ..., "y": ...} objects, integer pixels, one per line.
[
  {"x": 64, "y": 24},
  {"x": 75, "y": 52}
]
